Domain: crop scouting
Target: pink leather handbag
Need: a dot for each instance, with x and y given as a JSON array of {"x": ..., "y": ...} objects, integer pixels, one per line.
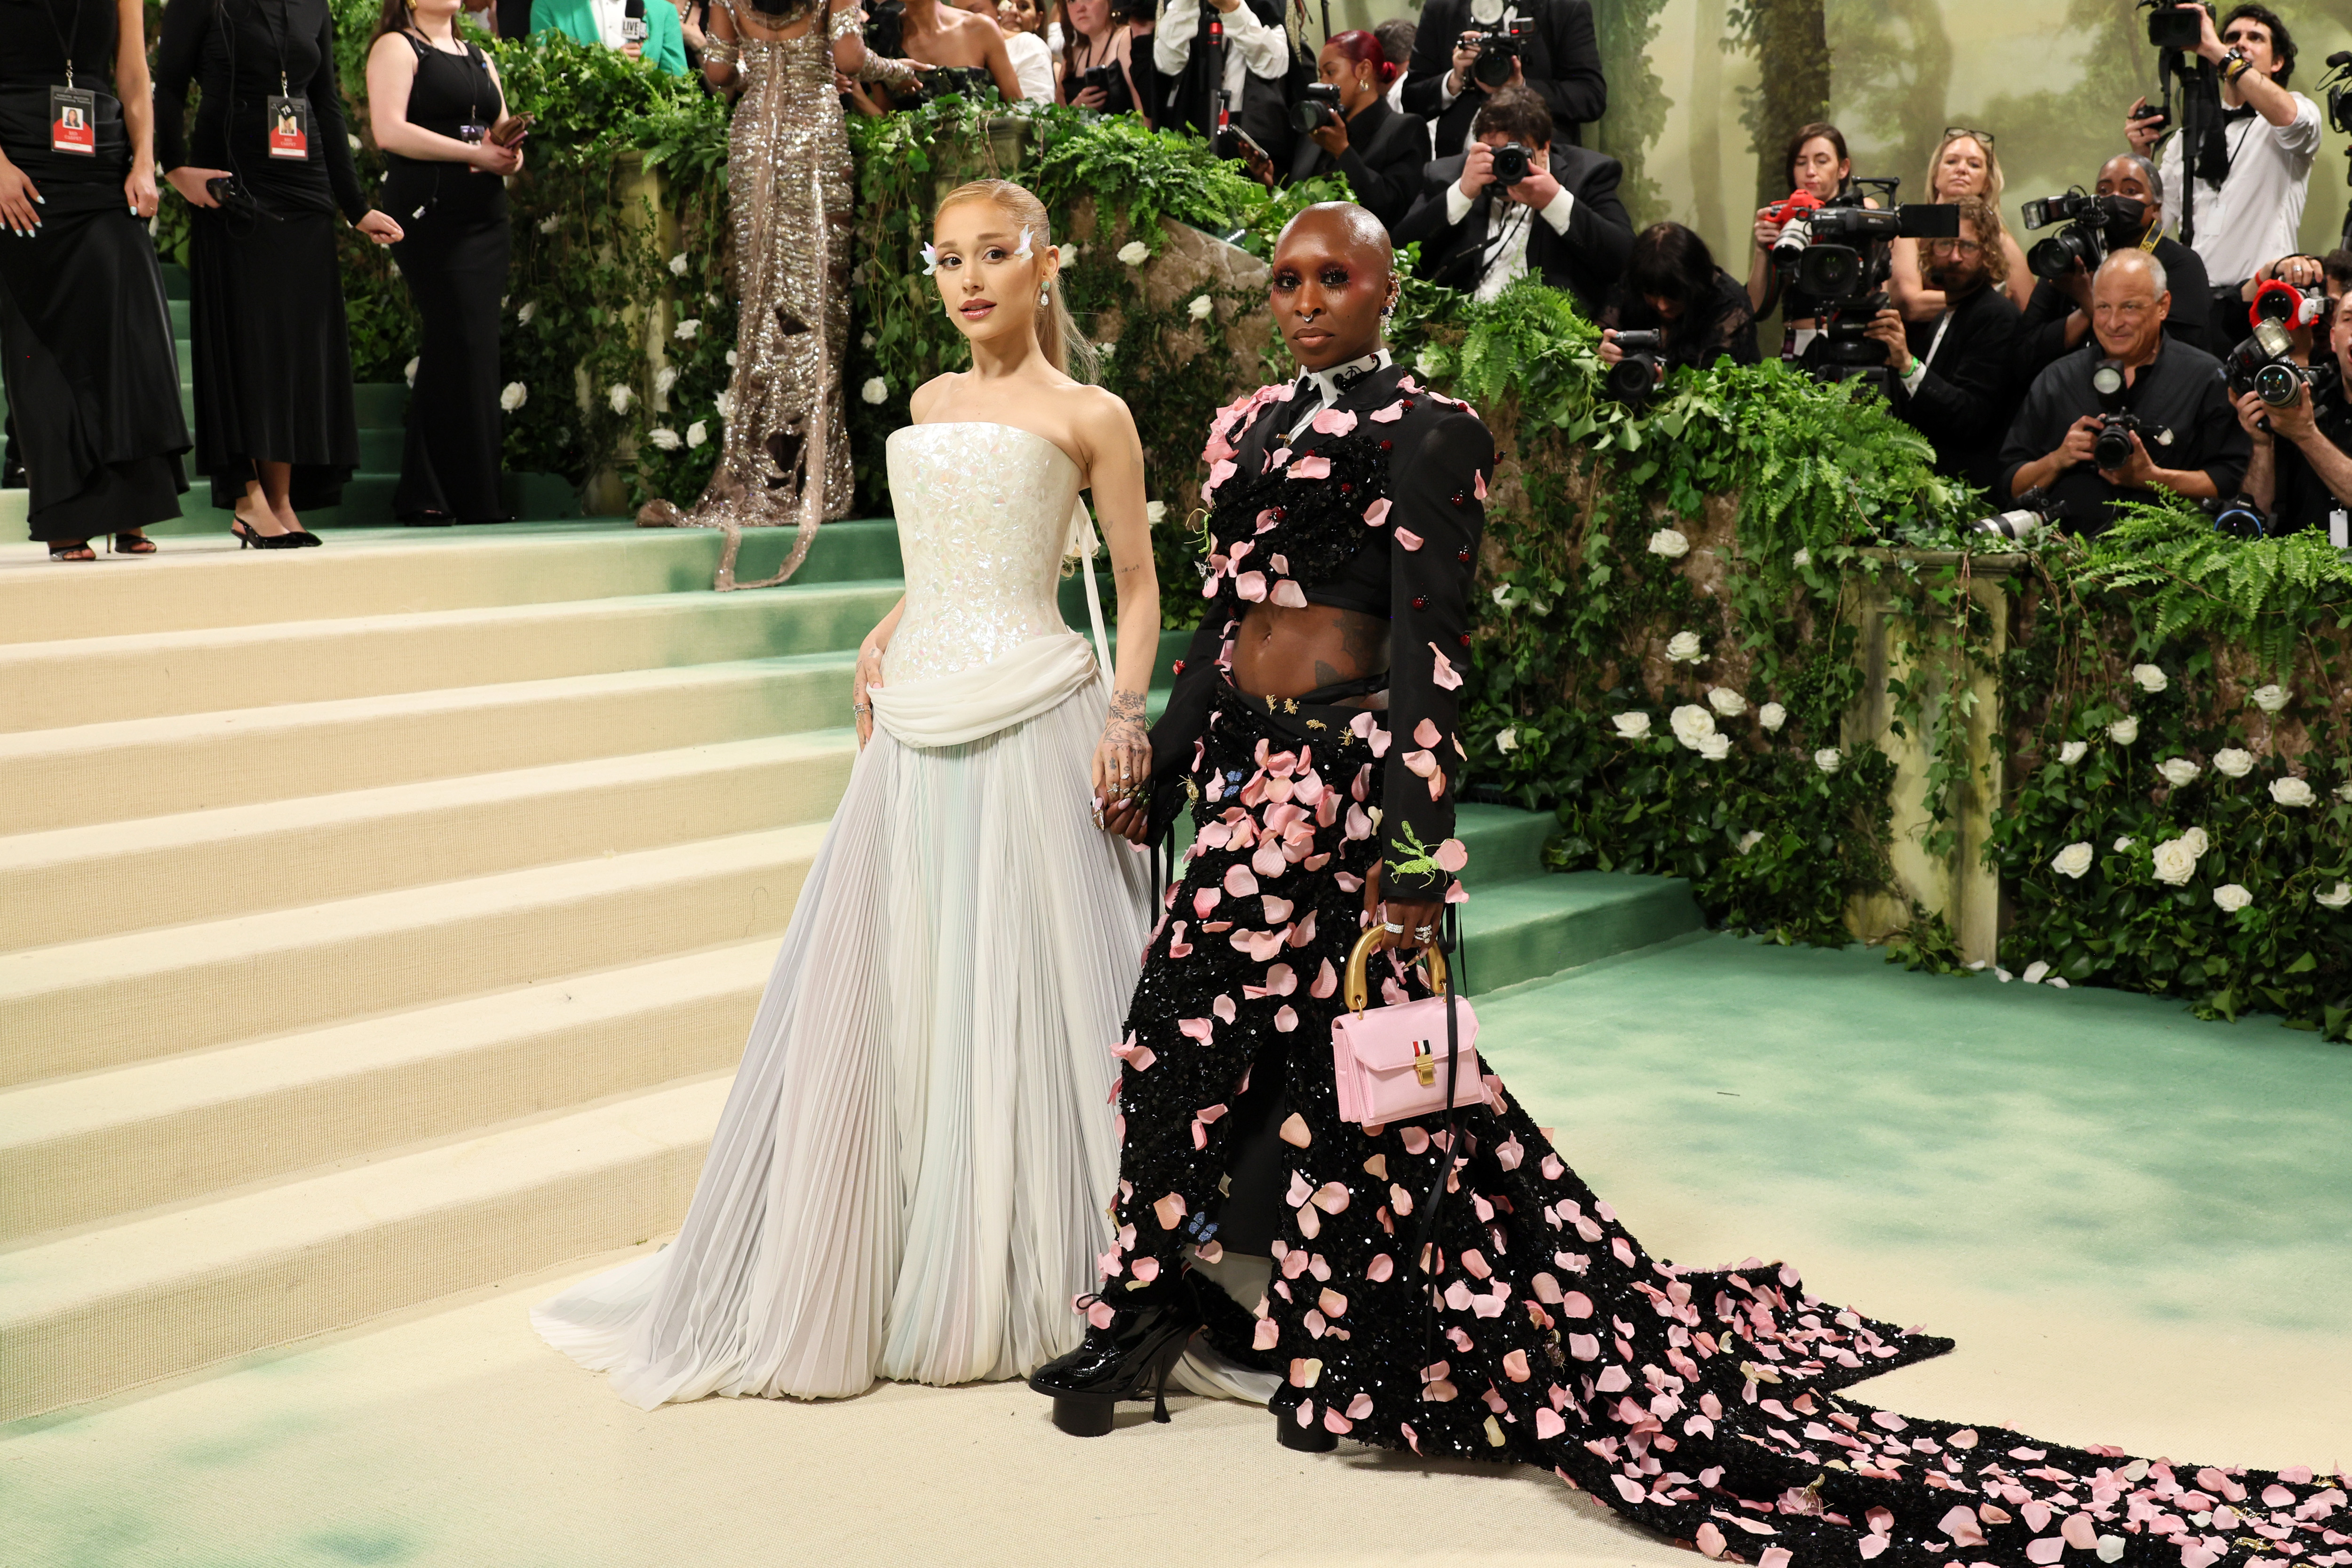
[{"x": 1393, "y": 1061}]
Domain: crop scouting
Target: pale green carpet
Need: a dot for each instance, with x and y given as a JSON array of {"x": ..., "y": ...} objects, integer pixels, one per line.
[{"x": 2135, "y": 1223}]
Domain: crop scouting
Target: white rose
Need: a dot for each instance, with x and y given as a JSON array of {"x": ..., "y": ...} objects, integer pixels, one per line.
[
  {"x": 1691, "y": 724},
  {"x": 1726, "y": 701},
  {"x": 1200, "y": 308},
  {"x": 2343, "y": 792},
  {"x": 2072, "y": 752},
  {"x": 1631, "y": 726},
  {"x": 2178, "y": 770},
  {"x": 2150, "y": 678},
  {"x": 2072, "y": 860},
  {"x": 2232, "y": 897},
  {"x": 2292, "y": 791},
  {"x": 865, "y": 339},
  {"x": 663, "y": 437},
  {"x": 2270, "y": 699},
  {"x": 1749, "y": 839},
  {"x": 687, "y": 328},
  {"x": 2124, "y": 731},
  {"x": 677, "y": 264},
  {"x": 1829, "y": 759},
  {"x": 665, "y": 379},
  {"x": 2175, "y": 863},
  {"x": 2335, "y": 897},
  {"x": 696, "y": 434},
  {"x": 621, "y": 398},
  {"x": 730, "y": 358},
  {"x": 725, "y": 403},
  {"x": 1103, "y": 351},
  {"x": 1771, "y": 716},
  {"x": 528, "y": 308},
  {"x": 1135, "y": 252},
  {"x": 2234, "y": 760},
  {"x": 1802, "y": 559},
  {"x": 353, "y": 140},
  {"x": 2197, "y": 841},
  {"x": 1070, "y": 253},
  {"x": 409, "y": 372},
  {"x": 1682, "y": 648},
  {"x": 513, "y": 395},
  {"x": 2033, "y": 972},
  {"x": 1669, "y": 543},
  {"x": 1153, "y": 511},
  {"x": 550, "y": 223},
  {"x": 1714, "y": 747},
  {"x": 1509, "y": 739},
  {"x": 2124, "y": 843},
  {"x": 875, "y": 390}
]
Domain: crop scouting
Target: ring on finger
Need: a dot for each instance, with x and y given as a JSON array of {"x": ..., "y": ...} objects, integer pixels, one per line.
[{"x": 1392, "y": 927}]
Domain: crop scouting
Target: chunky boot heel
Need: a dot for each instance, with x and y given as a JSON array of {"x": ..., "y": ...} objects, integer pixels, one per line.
[
  {"x": 1129, "y": 1358},
  {"x": 1304, "y": 1439}
]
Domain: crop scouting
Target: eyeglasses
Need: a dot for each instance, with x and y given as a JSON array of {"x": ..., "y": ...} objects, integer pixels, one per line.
[
  {"x": 1955, "y": 247},
  {"x": 1984, "y": 138}
]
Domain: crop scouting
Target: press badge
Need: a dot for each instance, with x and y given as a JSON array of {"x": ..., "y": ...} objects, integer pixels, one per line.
[
  {"x": 73, "y": 121},
  {"x": 289, "y": 127}
]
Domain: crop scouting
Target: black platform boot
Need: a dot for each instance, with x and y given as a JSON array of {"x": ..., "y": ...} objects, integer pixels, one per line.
[
  {"x": 1315, "y": 1439},
  {"x": 1129, "y": 1359}
]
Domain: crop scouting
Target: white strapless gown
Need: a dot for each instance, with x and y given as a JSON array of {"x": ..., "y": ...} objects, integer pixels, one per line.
[{"x": 910, "y": 1176}]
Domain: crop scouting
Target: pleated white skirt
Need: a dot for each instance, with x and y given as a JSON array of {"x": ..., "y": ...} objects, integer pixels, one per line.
[{"x": 910, "y": 1178}]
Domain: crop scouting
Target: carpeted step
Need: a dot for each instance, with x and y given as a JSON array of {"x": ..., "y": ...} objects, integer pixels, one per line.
[
  {"x": 146, "y": 767},
  {"x": 1505, "y": 844},
  {"x": 153, "y": 674},
  {"x": 1533, "y": 927},
  {"x": 199, "y": 581},
  {"x": 78, "y": 1150},
  {"x": 75, "y": 884},
  {"x": 111, "y": 1308},
  {"x": 85, "y": 1006}
]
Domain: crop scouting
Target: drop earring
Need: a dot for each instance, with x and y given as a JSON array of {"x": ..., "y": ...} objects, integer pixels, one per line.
[{"x": 1044, "y": 294}]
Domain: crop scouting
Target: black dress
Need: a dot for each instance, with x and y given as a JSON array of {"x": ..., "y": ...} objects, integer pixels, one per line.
[
  {"x": 454, "y": 256},
  {"x": 93, "y": 383},
  {"x": 273, "y": 358},
  {"x": 1462, "y": 1293}
]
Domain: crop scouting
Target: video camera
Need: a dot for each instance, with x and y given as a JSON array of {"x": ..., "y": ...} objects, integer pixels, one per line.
[
  {"x": 1499, "y": 51},
  {"x": 1842, "y": 251},
  {"x": 2097, "y": 222},
  {"x": 1632, "y": 379},
  {"x": 1319, "y": 107},
  {"x": 2172, "y": 29},
  {"x": 2175, "y": 33}
]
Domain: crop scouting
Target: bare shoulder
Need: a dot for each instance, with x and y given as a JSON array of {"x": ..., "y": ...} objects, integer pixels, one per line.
[
  {"x": 1102, "y": 418},
  {"x": 927, "y": 396},
  {"x": 390, "y": 46}
]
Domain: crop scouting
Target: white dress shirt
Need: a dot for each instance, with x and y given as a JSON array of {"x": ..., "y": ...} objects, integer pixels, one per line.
[
  {"x": 1032, "y": 65},
  {"x": 1252, "y": 46},
  {"x": 1320, "y": 390},
  {"x": 2255, "y": 215},
  {"x": 1506, "y": 240}
]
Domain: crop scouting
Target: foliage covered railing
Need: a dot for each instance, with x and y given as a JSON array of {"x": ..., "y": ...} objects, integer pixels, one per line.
[{"x": 1669, "y": 656}]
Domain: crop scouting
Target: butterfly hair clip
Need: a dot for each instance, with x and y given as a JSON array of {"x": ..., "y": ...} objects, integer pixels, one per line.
[
  {"x": 930, "y": 259},
  {"x": 1026, "y": 250}
]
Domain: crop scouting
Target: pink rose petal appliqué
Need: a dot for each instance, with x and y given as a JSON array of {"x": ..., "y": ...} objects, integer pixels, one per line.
[{"x": 1406, "y": 536}]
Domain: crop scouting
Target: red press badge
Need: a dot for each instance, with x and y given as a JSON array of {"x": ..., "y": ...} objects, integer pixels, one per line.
[
  {"x": 73, "y": 121},
  {"x": 289, "y": 122}
]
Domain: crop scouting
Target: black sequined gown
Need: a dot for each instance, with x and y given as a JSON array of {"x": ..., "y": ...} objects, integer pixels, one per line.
[{"x": 1704, "y": 1403}]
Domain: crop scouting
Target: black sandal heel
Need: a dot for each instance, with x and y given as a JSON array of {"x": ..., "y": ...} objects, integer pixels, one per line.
[{"x": 1303, "y": 1439}]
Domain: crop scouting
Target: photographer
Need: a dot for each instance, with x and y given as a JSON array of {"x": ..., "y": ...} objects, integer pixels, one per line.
[
  {"x": 1561, "y": 218},
  {"x": 2058, "y": 316},
  {"x": 2262, "y": 151},
  {"x": 1818, "y": 167},
  {"x": 1459, "y": 59},
  {"x": 1673, "y": 286},
  {"x": 1380, "y": 150},
  {"x": 2170, "y": 394},
  {"x": 2299, "y": 473},
  {"x": 1953, "y": 371},
  {"x": 1256, "y": 70}
]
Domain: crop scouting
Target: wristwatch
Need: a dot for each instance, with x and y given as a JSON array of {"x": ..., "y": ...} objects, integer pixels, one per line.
[{"x": 2236, "y": 65}]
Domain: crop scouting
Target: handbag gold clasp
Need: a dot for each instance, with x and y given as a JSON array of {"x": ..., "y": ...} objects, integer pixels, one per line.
[
  {"x": 1355, "y": 988},
  {"x": 1425, "y": 1068}
]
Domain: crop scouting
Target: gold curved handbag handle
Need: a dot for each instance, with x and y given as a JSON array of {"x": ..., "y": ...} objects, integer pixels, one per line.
[{"x": 1354, "y": 986}]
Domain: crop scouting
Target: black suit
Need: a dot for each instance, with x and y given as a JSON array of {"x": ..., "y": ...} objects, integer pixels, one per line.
[
  {"x": 1964, "y": 401},
  {"x": 1559, "y": 58},
  {"x": 1586, "y": 261},
  {"x": 1188, "y": 98},
  {"x": 1386, "y": 151}
]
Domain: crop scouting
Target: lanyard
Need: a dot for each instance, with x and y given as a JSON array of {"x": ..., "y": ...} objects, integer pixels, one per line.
[
  {"x": 276, "y": 36},
  {"x": 65, "y": 40}
]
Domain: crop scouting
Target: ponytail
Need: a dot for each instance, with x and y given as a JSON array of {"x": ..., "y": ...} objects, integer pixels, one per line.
[{"x": 1066, "y": 348}]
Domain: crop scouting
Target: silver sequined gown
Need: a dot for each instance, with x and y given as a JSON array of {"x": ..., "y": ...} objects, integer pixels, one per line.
[
  {"x": 910, "y": 1176},
  {"x": 786, "y": 141}
]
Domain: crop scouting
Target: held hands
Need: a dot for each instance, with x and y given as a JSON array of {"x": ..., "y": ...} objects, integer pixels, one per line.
[
  {"x": 379, "y": 228},
  {"x": 191, "y": 181},
  {"x": 1122, "y": 769},
  {"x": 1886, "y": 327}
]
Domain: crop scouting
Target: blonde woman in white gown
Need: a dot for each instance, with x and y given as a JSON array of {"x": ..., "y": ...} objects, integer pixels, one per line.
[{"x": 910, "y": 1178}]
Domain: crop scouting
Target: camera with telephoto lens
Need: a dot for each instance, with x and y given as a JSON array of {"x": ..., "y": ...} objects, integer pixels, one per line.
[
  {"x": 2097, "y": 222},
  {"x": 2170, "y": 26},
  {"x": 2034, "y": 511},
  {"x": 2237, "y": 516},
  {"x": 1499, "y": 51},
  {"x": 1512, "y": 163},
  {"x": 1318, "y": 109},
  {"x": 1632, "y": 379}
]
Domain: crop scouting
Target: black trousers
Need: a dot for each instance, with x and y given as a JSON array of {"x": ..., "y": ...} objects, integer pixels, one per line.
[{"x": 455, "y": 259}]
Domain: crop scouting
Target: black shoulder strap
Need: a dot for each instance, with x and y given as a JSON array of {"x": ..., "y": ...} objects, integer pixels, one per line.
[{"x": 420, "y": 46}]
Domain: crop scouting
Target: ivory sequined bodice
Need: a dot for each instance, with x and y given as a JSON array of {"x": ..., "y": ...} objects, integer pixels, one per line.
[{"x": 983, "y": 515}]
